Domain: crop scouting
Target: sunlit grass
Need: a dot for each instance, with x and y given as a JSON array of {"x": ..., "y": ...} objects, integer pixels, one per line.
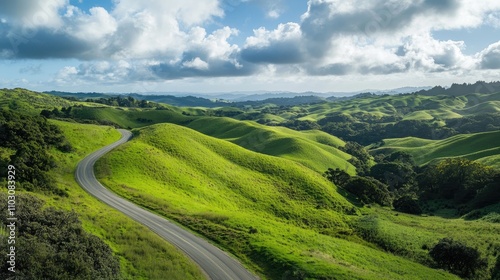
[
  {"x": 276, "y": 215},
  {"x": 143, "y": 254}
]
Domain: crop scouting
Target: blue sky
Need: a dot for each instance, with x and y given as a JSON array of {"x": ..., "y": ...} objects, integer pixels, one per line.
[{"x": 246, "y": 45}]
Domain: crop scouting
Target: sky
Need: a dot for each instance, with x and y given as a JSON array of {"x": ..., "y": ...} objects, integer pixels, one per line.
[{"x": 213, "y": 46}]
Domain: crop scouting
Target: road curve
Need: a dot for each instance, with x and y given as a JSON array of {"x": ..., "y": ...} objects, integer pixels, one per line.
[{"x": 214, "y": 262}]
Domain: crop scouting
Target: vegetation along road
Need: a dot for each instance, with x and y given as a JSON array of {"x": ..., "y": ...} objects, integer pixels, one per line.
[{"x": 214, "y": 262}]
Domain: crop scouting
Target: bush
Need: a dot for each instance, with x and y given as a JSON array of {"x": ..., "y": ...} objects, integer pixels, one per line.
[
  {"x": 369, "y": 190},
  {"x": 53, "y": 245},
  {"x": 407, "y": 204},
  {"x": 495, "y": 272},
  {"x": 337, "y": 176},
  {"x": 457, "y": 257}
]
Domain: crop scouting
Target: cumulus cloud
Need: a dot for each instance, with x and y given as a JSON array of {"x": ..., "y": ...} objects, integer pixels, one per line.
[
  {"x": 32, "y": 13},
  {"x": 371, "y": 37},
  {"x": 490, "y": 57},
  {"x": 158, "y": 39},
  {"x": 280, "y": 46}
]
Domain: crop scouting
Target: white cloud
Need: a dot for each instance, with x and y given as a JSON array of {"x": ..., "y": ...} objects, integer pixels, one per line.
[
  {"x": 33, "y": 13},
  {"x": 196, "y": 63},
  {"x": 284, "y": 32},
  {"x": 489, "y": 58},
  {"x": 167, "y": 39},
  {"x": 273, "y": 14}
]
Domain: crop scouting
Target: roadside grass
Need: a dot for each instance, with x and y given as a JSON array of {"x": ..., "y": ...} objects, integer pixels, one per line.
[
  {"x": 482, "y": 146},
  {"x": 279, "y": 217},
  {"x": 143, "y": 254}
]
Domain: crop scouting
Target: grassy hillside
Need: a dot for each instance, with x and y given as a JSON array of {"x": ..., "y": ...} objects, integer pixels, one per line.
[
  {"x": 29, "y": 101},
  {"x": 410, "y": 106},
  {"x": 281, "y": 218},
  {"x": 315, "y": 149},
  {"x": 143, "y": 255},
  {"x": 376, "y": 107},
  {"x": 483, "y": 147}
]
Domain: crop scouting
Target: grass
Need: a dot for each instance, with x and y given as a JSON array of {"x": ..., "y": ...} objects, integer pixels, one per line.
[
  {"x": 29, "y": 101},
  {"x": 412, "y": 236},
  {"x": 277, "y": 216},
  {"x": 315, "y": 149},
  {"x": 143, "y": 254},
  {"x": 408, "y": 106},
  {"x": 482, "y": 147}
]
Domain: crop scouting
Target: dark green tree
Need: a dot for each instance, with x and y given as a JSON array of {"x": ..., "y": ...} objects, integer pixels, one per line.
[
  {"x": 457, "y": 258},
  {"x": 369, "y": 190},
  {"x": 337, "y": 176},
  {"x": 495, "y": 271},
  {"x": 407, "y": 204},
  {"x": 51, "y": 244}
]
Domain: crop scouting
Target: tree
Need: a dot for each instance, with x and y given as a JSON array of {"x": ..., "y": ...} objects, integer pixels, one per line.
[
  {"x": 457, "y": 258},
  {"x": 53, "y": 245},
  {"x": 394, "y": 174},
  {"x": 369, "y": 190},
  {"x": 455, "y": 178},
  {"x": 337, "y": 176},
  {"x": 495, "y": 271},
  {"x": 360, "y": 157},
  {"x": 407, "y": 204}
]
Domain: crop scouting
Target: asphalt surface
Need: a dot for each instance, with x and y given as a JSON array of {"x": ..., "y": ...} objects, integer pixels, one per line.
[{"x": 214, "y": 262}]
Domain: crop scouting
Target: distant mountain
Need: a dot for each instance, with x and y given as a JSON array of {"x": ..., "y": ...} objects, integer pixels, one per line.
[
  {"x": 184, "y": 101},
  {"x": 255, "y": 98},
  {"x": 463, "y": 89},
  {"x": 282, "y": 101}
]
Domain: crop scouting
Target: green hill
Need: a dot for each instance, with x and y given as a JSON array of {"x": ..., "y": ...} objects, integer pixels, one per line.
[
  {"x": 315, "y": 149},
  {"x": 278, "y": 216},
  {"x": 482, "y": 147},
  {"x": 142, "y": 254},
  {"x": 29, "y": 101}
]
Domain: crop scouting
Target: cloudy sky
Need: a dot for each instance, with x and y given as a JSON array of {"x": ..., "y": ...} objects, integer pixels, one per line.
[{"x": 246, "y": 45}]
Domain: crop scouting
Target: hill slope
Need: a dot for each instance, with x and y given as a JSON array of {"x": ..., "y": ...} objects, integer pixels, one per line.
[
  {"x": 483, "y": 147},
  {"x": 278, "y": 216},
  {"x": 143, "y": 254},
  {"x": 315, "y": 149}
]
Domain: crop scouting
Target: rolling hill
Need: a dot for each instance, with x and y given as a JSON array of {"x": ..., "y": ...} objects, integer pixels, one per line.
[
  {"x": 278, "y": 216},
  {"x": 142, "y": 254},
  {"x": 482, "y": 147},
  {"x": 315, "y": 149}
]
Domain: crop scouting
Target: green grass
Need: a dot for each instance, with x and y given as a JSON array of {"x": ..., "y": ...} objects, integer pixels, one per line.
[
  {"x": 409, "y": 106},
  {"x": 129, "y": 117},
  {"x": 276, "y": 215},
  {"x": 143, "y": 254},
  {"x": 29, "y": 101},
  {"x": 483, "y": 147},
  {"x": 412, "y": 236},
  {"x": 315, "y": 149}
]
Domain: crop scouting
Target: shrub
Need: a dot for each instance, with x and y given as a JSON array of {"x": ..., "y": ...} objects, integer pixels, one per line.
[
  {"x": 369, "y": 190},
  {"x": 53, "y": 245},
  {"x": 457, "y": 257},
  {"x": 407, "y": 204}
]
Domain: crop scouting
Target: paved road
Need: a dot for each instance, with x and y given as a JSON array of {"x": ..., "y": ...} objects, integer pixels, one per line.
[{"x": 215, "y": 263}]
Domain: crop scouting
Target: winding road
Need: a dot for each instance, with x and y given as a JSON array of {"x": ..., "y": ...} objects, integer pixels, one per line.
[{"x": 214, "y": 262}]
